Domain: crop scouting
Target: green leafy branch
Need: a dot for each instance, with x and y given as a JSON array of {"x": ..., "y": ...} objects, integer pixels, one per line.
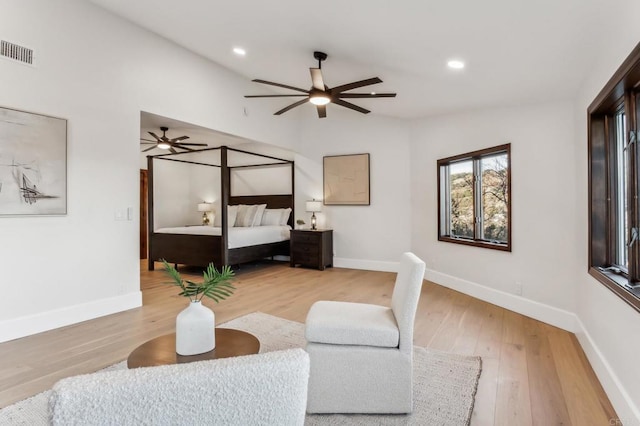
[{"x": 216, "y": 284}]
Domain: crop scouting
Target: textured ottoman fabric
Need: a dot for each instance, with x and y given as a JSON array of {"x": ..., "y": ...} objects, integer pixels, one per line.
[
  {"x": 263, "y": 389},
  {"x": 345, "y": 323}
]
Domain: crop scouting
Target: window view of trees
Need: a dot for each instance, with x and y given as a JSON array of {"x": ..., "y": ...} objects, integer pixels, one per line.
[
  {"x": 495, "y": 193},
  {"x": 474, "y": 198},
  {"x": 461, "y": 178}
]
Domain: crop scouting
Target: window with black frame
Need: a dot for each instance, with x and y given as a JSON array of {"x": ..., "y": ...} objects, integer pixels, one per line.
[
  {"x": 474, "y": 198},
  {"x": 614, "y": 183}
]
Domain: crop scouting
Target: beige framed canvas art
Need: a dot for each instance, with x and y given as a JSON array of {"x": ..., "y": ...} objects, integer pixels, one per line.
[
  {"x": 346, "y": 180},
  {"x": 33, "y": 164}
]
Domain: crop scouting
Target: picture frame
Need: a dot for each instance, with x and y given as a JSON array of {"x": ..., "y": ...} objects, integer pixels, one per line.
[
  {"x": 346, "y": 180},
  {"x": 33, "y": 164}
]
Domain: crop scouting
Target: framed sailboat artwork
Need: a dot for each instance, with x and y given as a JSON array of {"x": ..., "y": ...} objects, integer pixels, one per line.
[{"x": 33, "y": 164}]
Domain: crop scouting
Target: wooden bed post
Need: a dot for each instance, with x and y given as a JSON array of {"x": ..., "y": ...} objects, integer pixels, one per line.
[
  {"x": 225, "y": 183},
  {"x": 293, "y": 196},
  {"x": 150, "y": 229}
]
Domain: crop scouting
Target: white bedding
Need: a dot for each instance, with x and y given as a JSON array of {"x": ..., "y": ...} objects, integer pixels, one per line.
[{"x": 238, "y": 236}]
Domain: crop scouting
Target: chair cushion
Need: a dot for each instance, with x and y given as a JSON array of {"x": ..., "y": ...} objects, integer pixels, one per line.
[{"x": 345, "y": 323}]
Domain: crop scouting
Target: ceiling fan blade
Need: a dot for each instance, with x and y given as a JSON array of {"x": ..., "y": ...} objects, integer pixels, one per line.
[
  {"x": 149, "y": 149},
  {"x": 148, "y": 143},
  {"x": 155, "y": 136},
  {"x": 316, "y": 78},
  {"x": 181, "y": 138},
  {"x": 270, "y": 96},
  {"x": 173, "y": 151},
  {"x": 322, "y": 111},
  {"x": 356, "y": 84},
  {"x": 280, "y": 85},
  {"x": 293, "y": 105},
  {"x": 366, "y": 95},
  {"x": 182, "y": 147},
  {"x": 148, "y": 140},
  {"x": 193, "y": 144},
  {"x": 350, "y": 106}
]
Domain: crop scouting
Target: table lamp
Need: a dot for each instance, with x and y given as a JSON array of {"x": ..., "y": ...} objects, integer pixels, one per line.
[
  {"x": 313, "y": 206},
  {"x": 204, "y": 208}
]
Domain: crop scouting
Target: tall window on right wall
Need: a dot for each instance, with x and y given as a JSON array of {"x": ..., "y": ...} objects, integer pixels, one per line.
[
  {"x": 474, "y": 198},
  {"x": 614, "y": 183}
]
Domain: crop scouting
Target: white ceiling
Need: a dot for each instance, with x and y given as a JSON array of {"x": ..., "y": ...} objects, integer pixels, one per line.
[
  {"x": 197, "y": 134},
  {"x": 517, "y": 51}
]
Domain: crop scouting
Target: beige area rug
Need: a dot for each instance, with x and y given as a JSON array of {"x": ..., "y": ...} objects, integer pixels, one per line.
[{"x": 444, "y": 384}]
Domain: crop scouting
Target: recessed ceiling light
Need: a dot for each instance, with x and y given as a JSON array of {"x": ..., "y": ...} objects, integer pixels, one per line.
[
  {"x": 455, "y": 64},
  {"x": 239, "y": 51}
]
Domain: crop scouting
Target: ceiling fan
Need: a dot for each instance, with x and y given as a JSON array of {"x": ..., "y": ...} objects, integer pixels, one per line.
[
  {"x": 320, "y": 94},
  {"x": 163, "y": 142}
]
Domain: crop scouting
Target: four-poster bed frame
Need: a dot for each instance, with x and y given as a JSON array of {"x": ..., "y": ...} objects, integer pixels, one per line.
[{"x": 200, "y": 250}]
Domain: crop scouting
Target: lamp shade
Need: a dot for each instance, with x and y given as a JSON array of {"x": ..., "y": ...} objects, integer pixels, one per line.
[
  {"x": 314, "y": 206},
  {"x": 204, "y": 207}
]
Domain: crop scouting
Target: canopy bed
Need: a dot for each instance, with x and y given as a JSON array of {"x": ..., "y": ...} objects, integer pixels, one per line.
[{"x": 246, "y": 227}]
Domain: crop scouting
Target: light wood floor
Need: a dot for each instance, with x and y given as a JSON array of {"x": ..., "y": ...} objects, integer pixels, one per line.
[{"x": 532, "y": 373}]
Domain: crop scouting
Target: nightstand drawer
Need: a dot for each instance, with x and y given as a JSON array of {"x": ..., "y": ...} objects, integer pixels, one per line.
[
  {"x": 302, "y": 248},
  {"x": 307, "y": 259},
  {"x": 306, "y": 237}
]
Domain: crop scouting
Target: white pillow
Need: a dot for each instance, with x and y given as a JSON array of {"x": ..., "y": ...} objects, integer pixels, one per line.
[
  {"x": 271, "y": 217},
  {"x": 259, "y": 212},
  {"x": 285, "y": 216},
  {"x": 232, "y": 212},
  {"x": 246, "y": 215}
]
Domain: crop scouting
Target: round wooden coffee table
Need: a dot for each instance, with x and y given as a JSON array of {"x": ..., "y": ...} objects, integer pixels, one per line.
[{"x": 162, "y": 350}]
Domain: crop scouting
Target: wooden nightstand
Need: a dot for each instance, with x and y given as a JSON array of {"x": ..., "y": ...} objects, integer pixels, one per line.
[{"x": 312, "y": 248}]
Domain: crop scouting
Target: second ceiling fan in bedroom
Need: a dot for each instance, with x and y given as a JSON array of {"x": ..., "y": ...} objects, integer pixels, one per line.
[
  {"x": 165, "y": 143},
  {"x": 320, "y": 94}
]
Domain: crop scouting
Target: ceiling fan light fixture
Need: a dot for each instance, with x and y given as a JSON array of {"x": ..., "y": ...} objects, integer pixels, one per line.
[
  {"x": 319, "y": 98},
  {"x": 455, "y": 64},
  {"x": 164, "y": 145},
  {"x": 320, "y": 94}
]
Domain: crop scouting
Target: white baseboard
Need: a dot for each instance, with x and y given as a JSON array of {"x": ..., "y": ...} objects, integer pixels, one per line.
[
  {"x": 37, "y": 323},
  {"x": 545, "y": 313},
  {"x": 367, "y": 265},
  {"x": 626, "y": 409}
]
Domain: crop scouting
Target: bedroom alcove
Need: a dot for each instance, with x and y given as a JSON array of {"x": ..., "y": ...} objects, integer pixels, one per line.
[{"x": 180, "y": 181}]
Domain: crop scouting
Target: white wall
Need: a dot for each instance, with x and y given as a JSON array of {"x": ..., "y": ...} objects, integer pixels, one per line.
[
  {"x": 204, "y": 186},
  {"x": 609, "y": 328},
  {"x": 367, "y": 237},
  {"x": 99, "y": 72},
  {"x": 261, "y": 180},
  {"x": 178, "y": 188},
  {"x": 542, "y": 183},
  {"x": 542, "y": 259}
]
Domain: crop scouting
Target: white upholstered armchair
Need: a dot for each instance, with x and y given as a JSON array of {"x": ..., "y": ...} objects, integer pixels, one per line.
[{"x": 362, "y": 355}]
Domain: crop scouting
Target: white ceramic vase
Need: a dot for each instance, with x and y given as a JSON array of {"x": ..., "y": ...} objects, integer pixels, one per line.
[{"x": 195, "y": 330}]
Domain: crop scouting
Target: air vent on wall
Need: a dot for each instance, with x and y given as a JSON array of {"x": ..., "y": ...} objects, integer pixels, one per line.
[{"x": 16, "y": 52}]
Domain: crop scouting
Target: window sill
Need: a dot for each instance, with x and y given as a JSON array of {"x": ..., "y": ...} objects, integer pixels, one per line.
[
  {"x": 618, "y": 284},
  {"x": 476, "y": 243}
]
